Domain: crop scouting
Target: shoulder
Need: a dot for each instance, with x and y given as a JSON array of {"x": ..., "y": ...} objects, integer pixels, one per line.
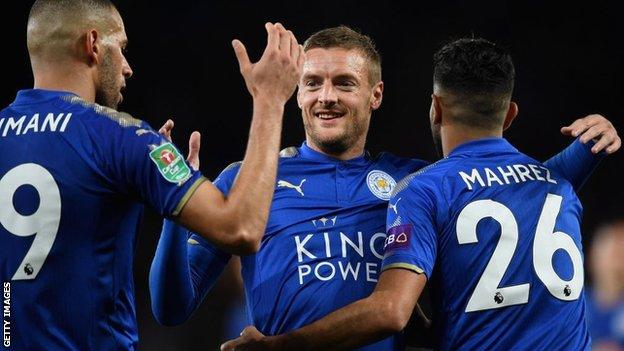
[
  {"x": 426, "y": 180},
  {"x": 289, "y": 152},
  {"x": 106, "y": 116},
  {"x": 230, "y": 171},
  {"x": 411, "y": 164}
]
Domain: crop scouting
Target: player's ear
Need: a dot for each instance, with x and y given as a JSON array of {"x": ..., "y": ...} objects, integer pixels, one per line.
[
  {"x": 299, "y": 98},
  {"x": 435, "y": 112},
  {"x": 512, "y": 112},
  {"x": 92, "y": 48},
  {"x": 377, "y": 95}
]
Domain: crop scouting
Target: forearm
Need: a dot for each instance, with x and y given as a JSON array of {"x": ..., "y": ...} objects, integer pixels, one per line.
[
  {"x": 576, "y": 162},
  {"x": 236, "y": 222},
  {"x": 182, "y": 273},
  {"x": 357, "y": 324},
  {"x": 258, "y": 170}
]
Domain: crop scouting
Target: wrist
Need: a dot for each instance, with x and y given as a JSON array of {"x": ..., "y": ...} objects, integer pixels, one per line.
[{"x": 264, "y": 100}]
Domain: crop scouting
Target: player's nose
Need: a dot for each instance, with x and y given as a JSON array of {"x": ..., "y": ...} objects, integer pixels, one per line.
[
  {"x": 126, "y": 69},
  {"x": 328, "y": 94}
]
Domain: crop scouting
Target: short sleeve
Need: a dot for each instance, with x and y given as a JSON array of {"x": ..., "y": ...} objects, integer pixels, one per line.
[
  {"x": 139, "y": 161},
  {"x": 412, "y": 239}
]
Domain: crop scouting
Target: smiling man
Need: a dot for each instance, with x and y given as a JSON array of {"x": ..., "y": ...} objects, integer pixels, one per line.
[
  {"x": 323, "y": 244},
  {"x": 503, "y": 255}
]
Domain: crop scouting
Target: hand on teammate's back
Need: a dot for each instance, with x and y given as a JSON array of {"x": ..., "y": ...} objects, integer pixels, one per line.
[{"x": 598, "y": 128}]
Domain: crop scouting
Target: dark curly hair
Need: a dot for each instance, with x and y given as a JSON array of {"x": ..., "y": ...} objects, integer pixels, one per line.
[{"x": 480, "y": 74}]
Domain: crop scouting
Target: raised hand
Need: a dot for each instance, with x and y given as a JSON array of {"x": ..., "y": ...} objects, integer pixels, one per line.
[{"x": 277, "y": 72}]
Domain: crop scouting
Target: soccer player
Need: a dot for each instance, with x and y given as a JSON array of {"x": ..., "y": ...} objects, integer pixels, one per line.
[
  {"x": 74, "y": 170},
  {"x": 496, "y": 232},
  {"x": 605, "y": 299},
  {"x": 324, "y": 241}
]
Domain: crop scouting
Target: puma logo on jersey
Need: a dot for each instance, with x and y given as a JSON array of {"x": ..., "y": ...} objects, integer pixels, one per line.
[
  {"x": 285, "y": 184},
  {"x": 394, "y": 207}
]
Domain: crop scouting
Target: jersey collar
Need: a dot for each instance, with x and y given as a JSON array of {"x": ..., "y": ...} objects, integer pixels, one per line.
[
  {"x": 32, "y": 96},
  {"x": 306, "y": 152},
  {"x": 481, "y": 146}
]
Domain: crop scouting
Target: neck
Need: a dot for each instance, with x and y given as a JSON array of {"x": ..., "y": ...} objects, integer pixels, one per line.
[
  {"x": 352, "y": 152},
  {"x": 455, "y": 135},
  {"x": 68, "y": 78}
]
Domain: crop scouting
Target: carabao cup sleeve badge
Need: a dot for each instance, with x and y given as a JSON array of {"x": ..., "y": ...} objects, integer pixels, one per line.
[
  {"x": 398, "y": 237},
  {"x": 170, "y": 163}
]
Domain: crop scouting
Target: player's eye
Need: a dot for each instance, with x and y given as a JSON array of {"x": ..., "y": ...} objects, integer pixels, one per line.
[
  {"x": 312, "y": 83},
  {"x": 346, "y": 84}
]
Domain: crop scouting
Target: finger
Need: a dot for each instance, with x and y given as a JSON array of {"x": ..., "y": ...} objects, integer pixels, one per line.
[
  {"x": 193, "y": 154},
  {"x": 579, "y": 126},
  {"x": 567, "y": 130},
  {"x": 615, "y": 146},
  {"x": 284, "y": 35},
  {"x": 301, "y": 58},
  {"x": 607, "y": 139},
  {"x": 592, "y": 133},
  {"x": 165, "y": 130},
  {"x": 167, "y": 126},
  {"x": 272, "y": 37},
  {"x": 231, "y": 344},
  {"x": 241, "y": 55},
  {"x": 602, "y": 143},
  {"x": 294, "y": 47}
]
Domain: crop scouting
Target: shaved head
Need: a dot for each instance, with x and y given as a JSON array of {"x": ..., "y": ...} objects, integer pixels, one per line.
[
  {"x": 81, "y": 39},
  {"x": 56, "y": 26}
]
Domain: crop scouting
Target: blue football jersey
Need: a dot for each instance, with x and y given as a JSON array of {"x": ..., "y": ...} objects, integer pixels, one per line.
[
  {"x": 324, "y": 239},
  {"x": 497, "y": 234},
  {"x": 72, "y": 176}
]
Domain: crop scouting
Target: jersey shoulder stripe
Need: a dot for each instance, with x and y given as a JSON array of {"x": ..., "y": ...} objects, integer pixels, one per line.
[{"x": 122, "y": 118}]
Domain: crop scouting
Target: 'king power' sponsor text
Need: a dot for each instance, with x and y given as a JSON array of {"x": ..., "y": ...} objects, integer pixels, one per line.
[{"x": 337, "y": 255}]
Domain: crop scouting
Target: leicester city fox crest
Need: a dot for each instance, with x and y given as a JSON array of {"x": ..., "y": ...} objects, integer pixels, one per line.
[{"x": 380, "y": 184}]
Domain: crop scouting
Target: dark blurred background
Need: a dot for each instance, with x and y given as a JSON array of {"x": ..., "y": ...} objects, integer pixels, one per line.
[{"x": 568, "y": 60}]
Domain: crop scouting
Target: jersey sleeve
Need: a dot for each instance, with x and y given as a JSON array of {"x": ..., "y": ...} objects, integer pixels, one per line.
[
  {"x": 185, "y": 268},
  {"x": 199, "y": 248},
  {"x": 179, "y": 281},
  {"x": 138, "y": 161},
  {"x": 412, "y": 240},
  {"x": 575, "y": 163},
  {"x": 226, "y": 178}
]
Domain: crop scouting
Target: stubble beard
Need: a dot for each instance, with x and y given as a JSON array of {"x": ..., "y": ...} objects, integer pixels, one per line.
[
  {"x": 339, "y": 144},
  {"x": 108, "y": 92}
]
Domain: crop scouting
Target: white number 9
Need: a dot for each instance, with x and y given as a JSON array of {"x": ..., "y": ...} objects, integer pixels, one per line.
[{"x": 43, "y": 223}]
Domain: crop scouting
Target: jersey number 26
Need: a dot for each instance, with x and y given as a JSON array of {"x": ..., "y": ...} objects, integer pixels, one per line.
[{"x": 487, "y": 293}]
